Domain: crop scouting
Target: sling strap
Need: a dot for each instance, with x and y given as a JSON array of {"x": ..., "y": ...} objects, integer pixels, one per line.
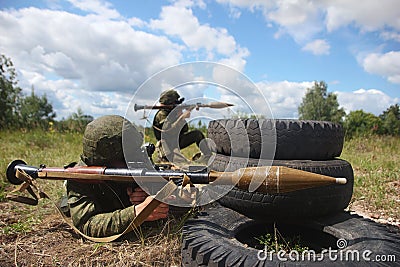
[{"x": 31, "y": 186}]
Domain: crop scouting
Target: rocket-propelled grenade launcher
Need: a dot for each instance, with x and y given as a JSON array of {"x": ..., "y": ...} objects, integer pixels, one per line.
[
  {"x": 196, "y": 106},
  {"x": 274, "y": 179}
]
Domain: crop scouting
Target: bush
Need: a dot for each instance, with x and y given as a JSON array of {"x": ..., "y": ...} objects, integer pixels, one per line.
[{"x": 360, "y": 123}]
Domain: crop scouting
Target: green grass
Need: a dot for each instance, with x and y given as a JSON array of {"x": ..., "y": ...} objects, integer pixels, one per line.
[
  {"x": 20, "y": 226},
  {"x": 278, "y": 242},
  {"x": 39, "y": 147},
  {"x": 34, "y": 147},
  {"x": 376, "y": 164}
]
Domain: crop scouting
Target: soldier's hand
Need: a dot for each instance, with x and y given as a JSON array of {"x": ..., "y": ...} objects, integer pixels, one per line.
[
  {"x": 136, "y": 196},
  {"x": 160, "y": 212},
  {"x": 186, "y": 114}
]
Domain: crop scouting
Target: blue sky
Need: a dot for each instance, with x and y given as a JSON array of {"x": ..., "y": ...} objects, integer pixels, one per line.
[{"x": 95, "y": 54}]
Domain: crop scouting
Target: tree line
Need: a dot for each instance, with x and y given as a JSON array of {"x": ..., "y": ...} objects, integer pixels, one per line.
[
  {"x": 318, "y": 104},
  {"x": 32, "y": 111},
  {"x": 19, "y": 111}
]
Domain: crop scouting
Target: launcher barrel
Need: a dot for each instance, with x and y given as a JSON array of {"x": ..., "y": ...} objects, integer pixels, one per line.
[{"x": 97, "y": 173}]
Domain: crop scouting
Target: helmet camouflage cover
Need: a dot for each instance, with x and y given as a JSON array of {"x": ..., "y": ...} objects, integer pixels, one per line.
[
  {"x": 102, "y": 140},
  {"x": 169, "y": 97}
]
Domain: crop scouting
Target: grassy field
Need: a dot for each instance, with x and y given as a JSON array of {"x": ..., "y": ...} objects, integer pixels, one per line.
[
  {"x": 38, "y": 147},
  {"x": 376, "y": 165},
  {"x": 38, "y": 236}
]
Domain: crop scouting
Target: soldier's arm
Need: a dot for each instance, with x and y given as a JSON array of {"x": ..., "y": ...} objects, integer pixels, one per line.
[
  {"x": 178, "y": 123},
  {"x": 88, "y": 215}
]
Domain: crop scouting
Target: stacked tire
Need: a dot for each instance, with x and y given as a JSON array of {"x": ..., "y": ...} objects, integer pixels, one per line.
[
  {"x": 213, "y": 238},
  {"x": 306, "y": 145}
]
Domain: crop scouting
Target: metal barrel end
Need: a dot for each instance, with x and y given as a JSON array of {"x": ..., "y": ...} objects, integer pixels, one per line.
[
  {"x": 10, "y": 173},
  {"x": 341, "y": 180},
  {"x": 137, "y": 107}
]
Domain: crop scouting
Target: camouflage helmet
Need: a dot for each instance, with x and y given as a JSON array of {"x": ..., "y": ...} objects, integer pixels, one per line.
[
  {"x": 102, "y": 140},
  {"x": 170, "y": 97}
]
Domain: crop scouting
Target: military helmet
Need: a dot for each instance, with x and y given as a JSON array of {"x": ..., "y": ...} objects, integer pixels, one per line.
[
  {"x": 170, "y": 97},
  {"x": 102, "y": 140}
]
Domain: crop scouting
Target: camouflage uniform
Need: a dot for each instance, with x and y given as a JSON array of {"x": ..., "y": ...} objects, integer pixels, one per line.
[
  {"x": 103, "y": 208},
  {"x": 167, "y": 121}
]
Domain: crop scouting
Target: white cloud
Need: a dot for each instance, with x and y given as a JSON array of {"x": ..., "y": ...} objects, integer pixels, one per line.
[
  {"x": 95, "y": 61},
  {"x": 386, "y": 65},
  {"x": 284, "y": 97},
  {"x": 300, "y": 19},
  {"x": 197, "y": 36},
  {"x": 390, "y": 36},
  {"x": 250, "y": 4},
  {"x": 96, "y": 6},
  {"x": 73, "y": 46},
  {"x": 303, "y": 19},
  {"x": 73, "y": 58},
  {"x": 372, "y": 100},
  {"x": 66, "y": 96},
  {"x": 136, "y": 22},
  {"x": 67, "y": 49},
  {"x": 234, "y": 12},
  {"x": 317, "y": 47},
  {"x": 306, "y": 20},
  {"x": 370, "y": 15}
]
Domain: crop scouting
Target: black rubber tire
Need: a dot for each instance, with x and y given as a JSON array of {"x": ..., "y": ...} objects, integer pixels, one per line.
[
  {"x": 308, "y": 203},
  {"x": 212, "y": 239},
  {"x": 294, "y": 139}
]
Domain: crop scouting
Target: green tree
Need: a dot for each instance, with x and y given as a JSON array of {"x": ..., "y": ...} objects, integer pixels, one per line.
[
  {"x": 318, "y": 104},
  {"x": 10, "y": 94},
  {"x": 358, "y": 123},
  {"x": 77, "y": 121},
  {"x": 391, "y": 120},
  {"x": 36, "y": 111}
]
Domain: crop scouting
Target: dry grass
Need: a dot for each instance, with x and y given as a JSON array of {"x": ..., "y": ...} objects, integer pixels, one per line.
[{"x": 53, "y": 243}]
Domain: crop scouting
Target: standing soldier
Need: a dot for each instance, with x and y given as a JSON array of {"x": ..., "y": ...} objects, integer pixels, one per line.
[{"x": 172, "y": 131}]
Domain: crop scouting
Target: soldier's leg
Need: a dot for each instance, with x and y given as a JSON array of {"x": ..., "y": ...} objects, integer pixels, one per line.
[
  {"x": 188, "y": 138},
  {"x": 195, "y": 136}
]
